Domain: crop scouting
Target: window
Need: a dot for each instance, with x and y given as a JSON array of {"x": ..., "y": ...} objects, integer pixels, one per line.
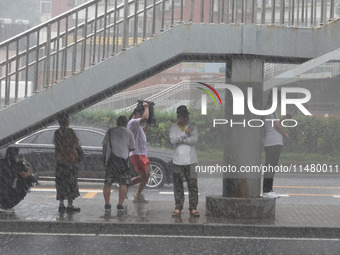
[
  {"x": 45, "y": 137},
  {"x": 88, "y": 138},
  {"x": 45, "y": 6},
  {"x": 29, "y": 139}
]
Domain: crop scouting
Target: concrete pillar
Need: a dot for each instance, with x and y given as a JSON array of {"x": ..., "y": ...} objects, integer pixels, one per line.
[
  {"x": 242, "y": 147},
  {"x": 243, "y": 144}
]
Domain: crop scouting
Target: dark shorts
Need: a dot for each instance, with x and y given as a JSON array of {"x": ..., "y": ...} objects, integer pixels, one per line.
[
  {"x": 140, "y": 162},
  {"x": 116, "y": 170}
]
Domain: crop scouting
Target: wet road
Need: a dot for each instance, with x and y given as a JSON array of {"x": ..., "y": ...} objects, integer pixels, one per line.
[
  {"x": 137, "y": 244},
  {"x": 295, "y": 189}
]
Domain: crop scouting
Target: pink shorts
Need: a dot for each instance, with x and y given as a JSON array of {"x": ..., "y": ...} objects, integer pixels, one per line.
[{"x": 140, "y": 162}]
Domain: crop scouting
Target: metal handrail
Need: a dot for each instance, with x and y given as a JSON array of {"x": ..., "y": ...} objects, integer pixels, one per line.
[{"x": 92, "y": 32}]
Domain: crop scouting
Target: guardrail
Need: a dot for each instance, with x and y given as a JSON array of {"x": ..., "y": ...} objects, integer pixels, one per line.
[{"x": 84, "y": 36}]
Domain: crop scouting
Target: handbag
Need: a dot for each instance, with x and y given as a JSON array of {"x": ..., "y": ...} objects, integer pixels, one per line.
[{"x": 80, "y": 152}]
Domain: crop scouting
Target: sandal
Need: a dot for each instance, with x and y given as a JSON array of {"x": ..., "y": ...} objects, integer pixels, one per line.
[
  {"x": 194, "y": 213},
  {"x": 176, "y": 213}
]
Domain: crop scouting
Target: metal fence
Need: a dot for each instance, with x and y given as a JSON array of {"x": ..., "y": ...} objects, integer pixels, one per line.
[{"x": 84, "y": 36}]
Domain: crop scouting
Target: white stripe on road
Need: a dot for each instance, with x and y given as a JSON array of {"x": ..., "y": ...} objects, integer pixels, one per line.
[
  {"x": 223, "y": 237},
  {"x": 171, "y": 193},
  {"x": 173, "y": 236},
  {"x": 283, "y": 195},
  {"x": 44, "y": 234}
]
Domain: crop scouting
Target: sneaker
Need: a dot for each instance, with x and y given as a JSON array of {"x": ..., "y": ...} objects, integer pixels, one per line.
[
  {"x": 2, "y": 210},
  {"x": 120, "y": 207},
  {"x": 139, "y": 198},
  {"x": 271, "y": 194},
  {"x": 72, "y": 209},
  {"x": 107, "y": 207}
]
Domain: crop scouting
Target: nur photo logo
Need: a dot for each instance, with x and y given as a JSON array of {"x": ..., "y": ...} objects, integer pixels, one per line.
[
  {"x": 240, "y": 101},
  {"x": 204, "y": 97}
]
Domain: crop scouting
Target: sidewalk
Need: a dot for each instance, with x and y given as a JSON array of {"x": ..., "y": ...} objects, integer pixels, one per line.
[{"x": 154, "y": 218}]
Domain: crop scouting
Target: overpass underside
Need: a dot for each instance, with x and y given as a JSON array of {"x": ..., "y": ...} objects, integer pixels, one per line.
[{"x": 185, "y": 42}]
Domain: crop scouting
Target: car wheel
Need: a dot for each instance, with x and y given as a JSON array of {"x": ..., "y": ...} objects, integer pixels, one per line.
[{"x": 157, "y": 175}]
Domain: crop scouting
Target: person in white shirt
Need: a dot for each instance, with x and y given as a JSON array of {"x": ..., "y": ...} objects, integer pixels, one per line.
[
  {"x": 184, "y": 136},
  {"x": 272, "y": 142},
  {"x": 138, "y": 125}
]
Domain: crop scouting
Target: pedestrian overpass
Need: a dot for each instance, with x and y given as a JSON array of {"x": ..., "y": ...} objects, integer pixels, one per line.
[{"x": 99, "y": 49}]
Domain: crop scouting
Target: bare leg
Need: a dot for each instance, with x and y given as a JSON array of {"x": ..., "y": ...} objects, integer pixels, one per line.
[
  {"x": 145, "y": 177},
  {"x": 135, "y": 180},
  {"x": 107, "y": 193},
  {"x": 122, "y": 193}
]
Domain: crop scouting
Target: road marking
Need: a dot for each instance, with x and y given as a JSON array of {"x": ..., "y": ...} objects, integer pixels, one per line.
[
  {"x": 305, "y": 187},
  {"x": 171, "y": 193},
  {"x": 314, "y": 195},
  {"x": 41, "y": 189},
  {"x": 336, "y": 196},
  {"x": 43, "y": 234},
  {"x": 173, "y": 236},
  {"x": 90, "y": 195},
  {"x": 221, "y": 237},
  {"x": 283, "y": 195}
]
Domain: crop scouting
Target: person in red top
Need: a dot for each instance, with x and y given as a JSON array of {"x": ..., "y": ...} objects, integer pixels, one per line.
[{"x": 66, "y": 142}]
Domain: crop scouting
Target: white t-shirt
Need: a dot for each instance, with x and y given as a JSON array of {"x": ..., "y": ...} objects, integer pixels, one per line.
[
  {"x": 185, "y": 146},
  {"x": 271, "y": 135},
  {"x": 136, "y": 128},
  {"x": 121, "y": 142}
]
